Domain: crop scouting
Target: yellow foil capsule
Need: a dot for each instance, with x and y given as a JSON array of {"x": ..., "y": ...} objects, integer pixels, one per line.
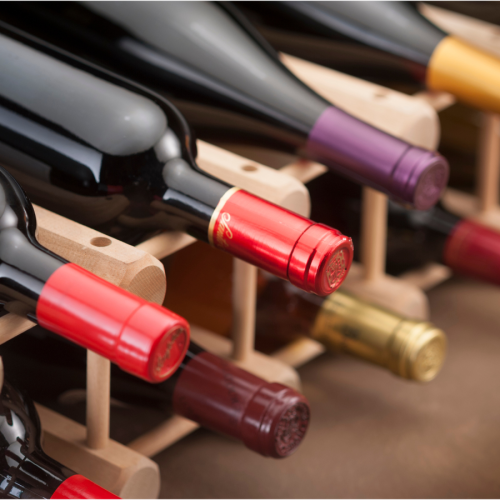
[
  {"x": 411, "y": 349},
  {"x": 470, "y": 74}
]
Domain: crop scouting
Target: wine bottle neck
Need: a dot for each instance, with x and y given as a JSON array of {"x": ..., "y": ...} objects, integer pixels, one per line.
[
  {"x": 437, "y": 224},
  {"x": 25, "y": 266}
]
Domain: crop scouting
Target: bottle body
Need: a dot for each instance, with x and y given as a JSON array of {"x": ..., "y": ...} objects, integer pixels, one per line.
[
  {"x": 26, "y": 471},
  {"x": 292, "y": 34},
  {"x": 120, "y": 156},
  {"x": 260, "y": 102},
  {"x": 269, "y": 418},
  {"x": 452, "y": 65}
]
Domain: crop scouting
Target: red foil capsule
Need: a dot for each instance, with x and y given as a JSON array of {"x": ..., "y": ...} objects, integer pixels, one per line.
[
  {"x": 474, "y": 250},
  {"x": 142, "y": 338},
  {"x": 80, "y": 487},
  {"x": 312, "y": 256},
  {"x": 269, "y": 418}
]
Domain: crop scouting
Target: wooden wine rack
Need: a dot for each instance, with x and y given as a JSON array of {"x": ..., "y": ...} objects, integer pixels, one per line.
[{"x": 127, "y": 470}]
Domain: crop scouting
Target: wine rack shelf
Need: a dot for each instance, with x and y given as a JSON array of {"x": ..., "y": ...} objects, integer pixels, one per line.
[{"x": 127, "y": 470}]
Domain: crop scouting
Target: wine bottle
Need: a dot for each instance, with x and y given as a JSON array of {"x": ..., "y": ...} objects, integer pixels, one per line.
[
  {"x": 451, "y": 65},
  {"x": 342, "y": 322},
  {"x": 70, "y": 131},
  {"x": 415, "y": 237},
  {"x": 141, "y": 337},
  {"x": 269, "y": 418},
  {"x": 331, "y": 48},
  {"x": 411, "y": 349},
  {"x": 25, "y": 470},
  {"x": 231, "y": 85}
]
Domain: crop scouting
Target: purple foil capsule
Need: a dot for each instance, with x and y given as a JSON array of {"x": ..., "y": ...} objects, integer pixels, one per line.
[{"x": 408, "y": 174}]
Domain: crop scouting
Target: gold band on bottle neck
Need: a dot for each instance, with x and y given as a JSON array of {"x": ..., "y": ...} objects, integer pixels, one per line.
[
  {"x": 411, "y": 349},
  {"x": 217, "y": 211}
]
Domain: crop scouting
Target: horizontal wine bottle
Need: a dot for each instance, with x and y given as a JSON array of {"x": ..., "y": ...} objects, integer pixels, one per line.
[
  {"x": 230, "y": 85},
  {"x": 343, "y": 322},
  {"x": 25, "y": 470},
  {"x": 269, "y": 418},
  {"x": 416, "y": 238},
  {"x": 141, "y": 337},
  {"x": 109, "y": 153},
  {"x": 332, "y": 49},
  {"x": 411, "y": 349},
  {"x": 450, "y": 64}
]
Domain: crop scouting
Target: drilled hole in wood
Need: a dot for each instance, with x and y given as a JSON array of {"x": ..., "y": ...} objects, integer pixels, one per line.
[
  {"x": 100, "y": 241},
  {"x": 249, "y": 168}
]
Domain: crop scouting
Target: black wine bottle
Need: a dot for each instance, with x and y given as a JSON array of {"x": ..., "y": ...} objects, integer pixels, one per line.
[
  {"x": 416, "y": 237},
  {"x": 269, "y": 418},
  {"x": 109, "y": 153},
  {"x": 142, "y": 338},
  {"x": 450, "y": 64},
  {"x": 296, "y": 37},
  {"x": 25, "y": 470},
  {"x": 231, "y": 85}
]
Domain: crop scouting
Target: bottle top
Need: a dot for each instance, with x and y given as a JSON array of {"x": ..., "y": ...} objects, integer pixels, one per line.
[
  {"x": 314, "y": 257},
  {"x": 418, "y": 350},
  {"x": 411, "y": 349},
  {"x": 474, "y": 250},
  {"x": 142, "y": 338},
  {"x": 320, "y": 260},
  {"x": 470, "y": 74},
  {"x": 275, "y": 421},
  {"x": 365, "y": 154}
]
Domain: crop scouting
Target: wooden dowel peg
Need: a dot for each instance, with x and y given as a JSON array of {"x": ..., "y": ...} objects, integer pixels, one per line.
[
  {"x": 244, "y": 303},
  {"x": 98, "y": 400},
  {"x": 373, "y": 233},
  {"x": 489, "y": 162},
  {"x": 163, "y": 436}
]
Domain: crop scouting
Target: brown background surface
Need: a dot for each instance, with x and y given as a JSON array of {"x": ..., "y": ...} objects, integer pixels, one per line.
[{"x": 372, "y": 434}]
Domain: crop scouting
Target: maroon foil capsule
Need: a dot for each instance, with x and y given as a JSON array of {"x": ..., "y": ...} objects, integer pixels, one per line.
[{"x": 269, "y": 418}]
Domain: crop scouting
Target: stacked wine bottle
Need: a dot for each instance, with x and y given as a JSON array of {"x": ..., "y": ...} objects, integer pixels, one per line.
[{"x": 100, "y": 102}]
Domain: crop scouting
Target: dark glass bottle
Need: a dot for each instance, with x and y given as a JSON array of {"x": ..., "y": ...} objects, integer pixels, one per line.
[
  {"x": 109, "y": 153},
  {"x": 450, "y": 64},
  {"x": 230, "y": 85},
  {"x": 25, "y": 470},
  {"x": 415, "y": 237},
  {"x": 269, "y": 418},
  {"x": 293, "y": 35},
  {"x": 141, "y": 337}
]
